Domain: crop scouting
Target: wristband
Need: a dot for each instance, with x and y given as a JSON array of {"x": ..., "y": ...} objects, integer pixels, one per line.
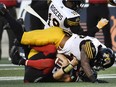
[{"x": 67, "y": 68}]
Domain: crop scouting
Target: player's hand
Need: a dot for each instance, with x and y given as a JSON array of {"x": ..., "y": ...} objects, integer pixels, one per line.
[{"x": 102, "y": 23}]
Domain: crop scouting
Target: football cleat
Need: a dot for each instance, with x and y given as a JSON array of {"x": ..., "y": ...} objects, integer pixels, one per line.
[{"x": 15, "y": 56}]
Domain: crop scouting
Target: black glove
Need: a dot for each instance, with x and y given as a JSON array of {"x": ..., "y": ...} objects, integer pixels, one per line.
[
  {"x": 83, "y": 77},
  {"x": 74, "y": 75}
]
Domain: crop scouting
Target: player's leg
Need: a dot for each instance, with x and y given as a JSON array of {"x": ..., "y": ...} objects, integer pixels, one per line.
[
  {"x": 15, "y": 26},
  {"x": 39, "y": 62},
  {"x": 33, "y": 75},
  {"x": 42, "y": 64},
  {"x": 15, "y": 56},
  {"x": 38, "y": 68},
  {"x": 1, "y": 32}
]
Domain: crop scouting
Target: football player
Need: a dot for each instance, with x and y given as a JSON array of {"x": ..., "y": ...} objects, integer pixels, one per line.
[
  {"x": 65, "y": 14},
  {"x": 38, "y": 65},
  {"x": 45, "y": 68},
  {"x": 83, "y": 48}
]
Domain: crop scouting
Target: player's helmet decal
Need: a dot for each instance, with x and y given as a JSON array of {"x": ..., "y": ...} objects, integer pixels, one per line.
[{"x": 106, "y": 58}]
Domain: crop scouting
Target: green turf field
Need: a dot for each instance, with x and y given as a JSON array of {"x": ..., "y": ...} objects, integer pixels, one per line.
[{"x": 12, "y": 76}]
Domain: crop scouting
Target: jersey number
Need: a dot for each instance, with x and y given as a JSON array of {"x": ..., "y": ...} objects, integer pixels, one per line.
[{"x": 55, "y": 22}]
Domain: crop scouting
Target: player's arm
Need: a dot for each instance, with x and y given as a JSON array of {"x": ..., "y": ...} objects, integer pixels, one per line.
[
  {"x": 86, "y": 66},
  {"x": 100, "y": 25},
  {"x": 58, "y": 74},
  {"x": 65, "y": 69},
  {"x": 73, "y": 24},
  {"x": 64, "y": 60},
  {"x": 70, "y": 22},
  {"x": 47, "y": 49}
]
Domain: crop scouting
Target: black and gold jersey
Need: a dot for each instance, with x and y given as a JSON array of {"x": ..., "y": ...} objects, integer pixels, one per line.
[
  {"x": 75, "y": 43},
  {"x": 61, "y": 16},
  {"x": 89, "y": 48}
]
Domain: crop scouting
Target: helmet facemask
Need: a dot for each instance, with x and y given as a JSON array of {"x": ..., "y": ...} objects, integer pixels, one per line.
[{"x": 105, "y": 58}]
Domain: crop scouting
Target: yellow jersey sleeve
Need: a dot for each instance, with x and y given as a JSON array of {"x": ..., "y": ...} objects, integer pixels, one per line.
[{"x": 53, "y": 35}]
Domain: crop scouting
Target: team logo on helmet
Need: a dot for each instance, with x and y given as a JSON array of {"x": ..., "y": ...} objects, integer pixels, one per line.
[{"x": 107, "y": 57}]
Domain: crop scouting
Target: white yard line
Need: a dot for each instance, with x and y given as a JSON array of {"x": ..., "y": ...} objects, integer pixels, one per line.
[
  {"x": 114, "y": 65},
  {"x": 11, "y": 78},
  {"x": 8, "y": 65},
  {"x": 21, "y": 77},
  {"x": 12, "y": 69},
  {"x": 106, "y": 76},
  {"x": 17, "y": 65}
]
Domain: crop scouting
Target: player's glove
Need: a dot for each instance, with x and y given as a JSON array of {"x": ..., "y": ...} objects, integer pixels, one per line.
[{"x": 102, "y": 23}]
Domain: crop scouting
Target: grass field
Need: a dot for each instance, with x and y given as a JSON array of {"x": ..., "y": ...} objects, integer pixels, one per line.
[{"x": 12, "y": 76}]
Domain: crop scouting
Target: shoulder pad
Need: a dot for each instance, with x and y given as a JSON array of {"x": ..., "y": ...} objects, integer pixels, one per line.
[{"x": 89, "y": 48}]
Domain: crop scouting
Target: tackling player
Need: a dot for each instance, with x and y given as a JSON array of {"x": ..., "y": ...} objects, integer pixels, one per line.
[{"x": 84, "y": 48}]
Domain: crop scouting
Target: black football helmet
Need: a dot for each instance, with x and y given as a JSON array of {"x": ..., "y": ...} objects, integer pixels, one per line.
[
  {"x": 74, "y": 4},
  {"x": 105, "y": 58}
]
